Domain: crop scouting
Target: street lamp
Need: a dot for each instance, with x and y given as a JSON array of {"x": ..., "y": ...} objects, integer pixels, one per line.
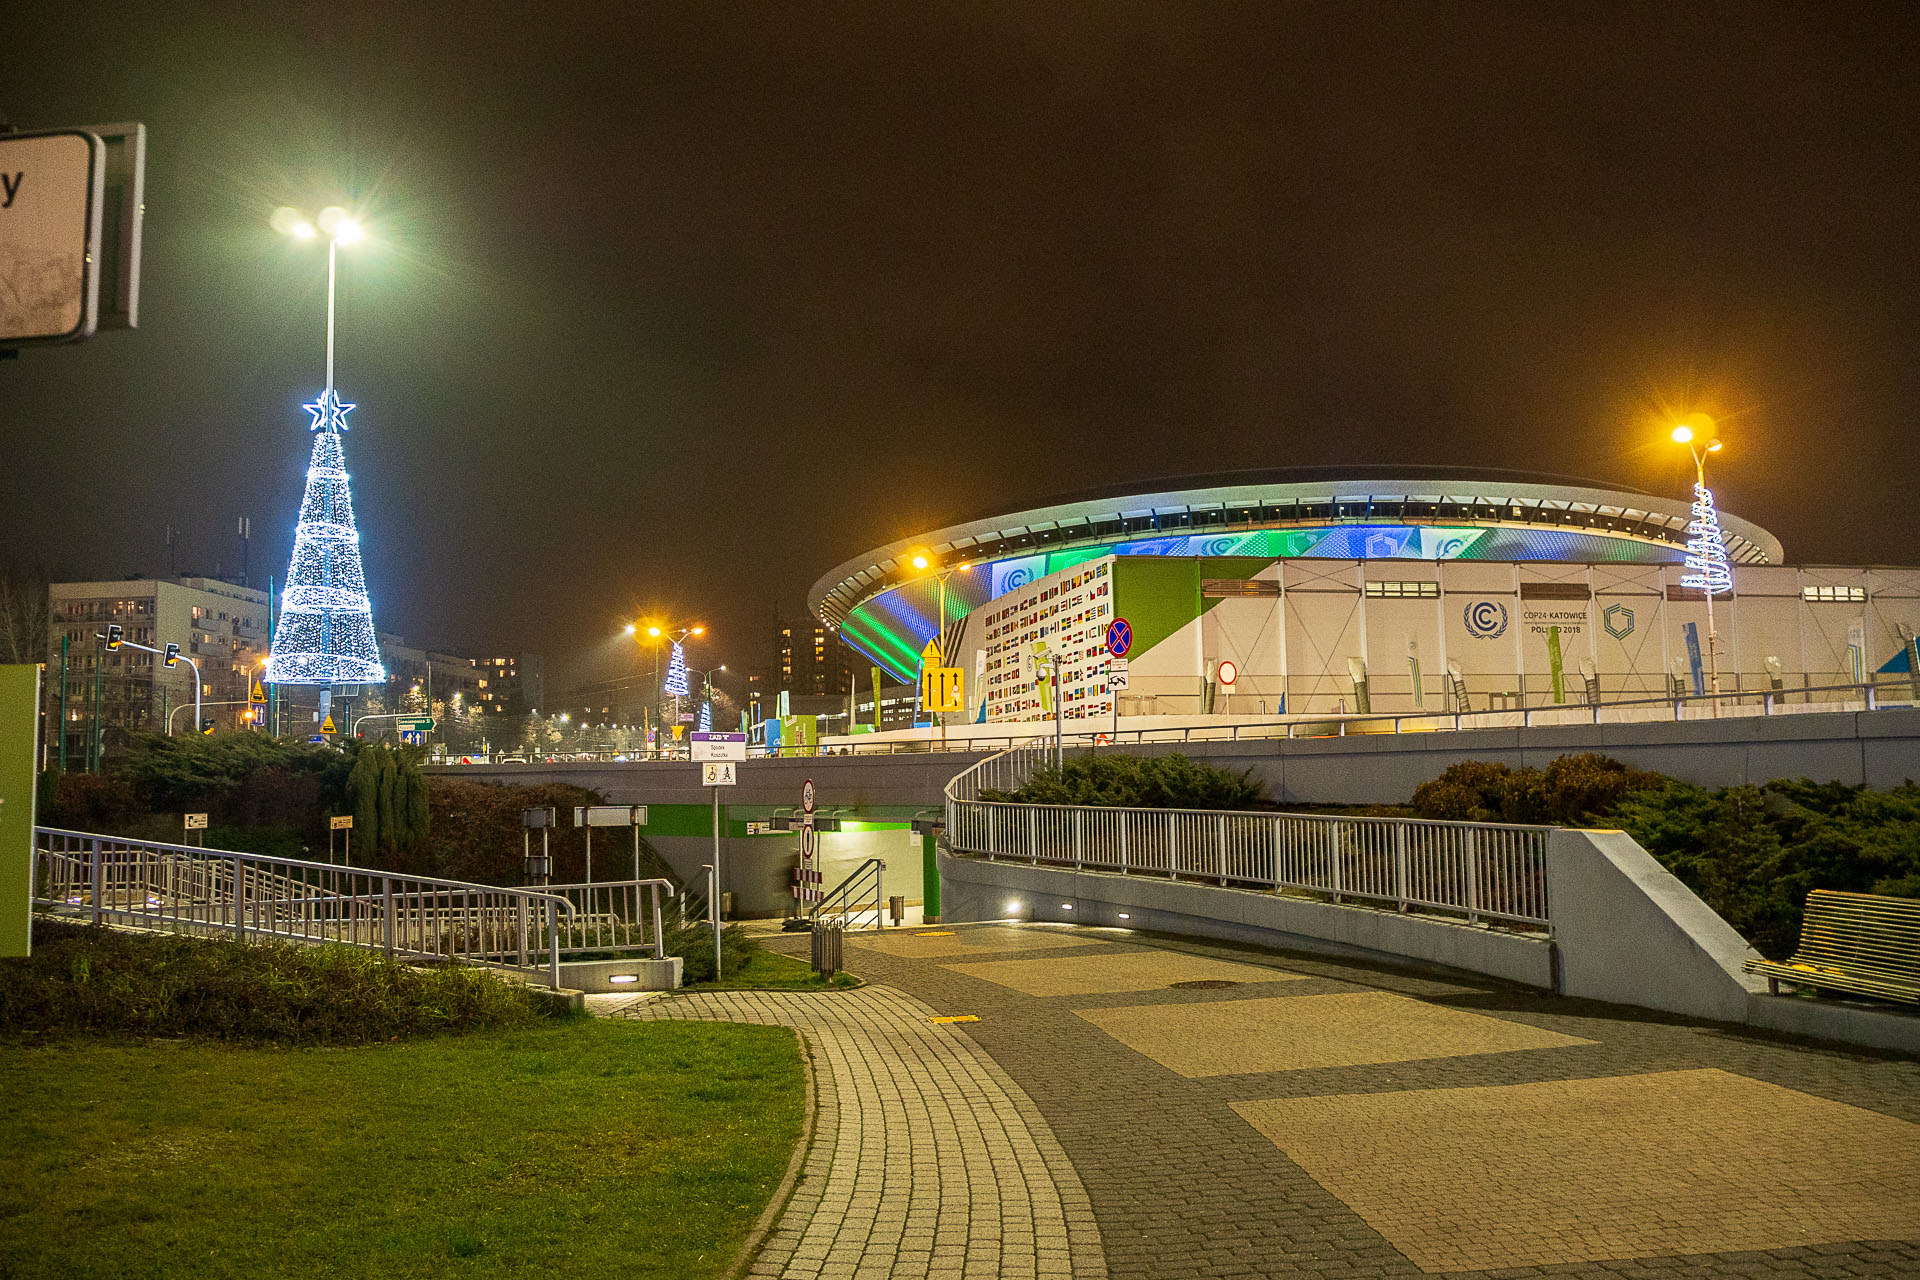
[
  {"x": 1699, "y": 434},
  {"x": 651, "y": 633},
  {"x": 922, "y": 561}
]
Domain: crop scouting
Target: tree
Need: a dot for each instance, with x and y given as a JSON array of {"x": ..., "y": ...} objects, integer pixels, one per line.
[{"x": 25, "y": 619}]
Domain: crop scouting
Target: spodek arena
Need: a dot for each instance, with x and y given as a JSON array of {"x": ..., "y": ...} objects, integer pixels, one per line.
[{"x": 1365, "y": 590}]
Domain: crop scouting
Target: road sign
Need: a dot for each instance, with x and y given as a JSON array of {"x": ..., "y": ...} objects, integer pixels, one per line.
[
  {"x": 945, "y": 689},
  {"x": 806, "y": 795},
  {"x": 719, "y": 773},
  {"x": 1119, "y": 637},
  {"x": 1116, "y": 675},
  {"x": 610, "y": 815},
  {"x": 196, "y": 821},
  {"x": 718, "y": 746},
  {"x": 55, "y": 193},
  {"x": 412, "y": 724},
  {"x": 326, "y": 726},
  {"x": 259, "y": 692},
  {"x": 1228, "y": 673},
  {"x": 342, "y": 823}
]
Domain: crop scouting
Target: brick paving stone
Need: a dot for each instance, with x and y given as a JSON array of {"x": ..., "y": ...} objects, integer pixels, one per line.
[
  {"x": 1183, "y": 1186},
  {"x": 928, "y": 1160}
]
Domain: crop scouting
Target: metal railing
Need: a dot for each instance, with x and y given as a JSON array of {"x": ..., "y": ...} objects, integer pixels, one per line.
[
  {"x": 847, "y": 905},
  {"x": 1483, "y": 871},
  {"x": 614, "y": 915},
  {"x": 108, "y": 879}
]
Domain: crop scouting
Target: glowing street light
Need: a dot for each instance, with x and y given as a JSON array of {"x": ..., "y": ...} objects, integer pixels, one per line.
[
  {"x": 1706, "y": 553},
  {"x": 922, "y": 561}
]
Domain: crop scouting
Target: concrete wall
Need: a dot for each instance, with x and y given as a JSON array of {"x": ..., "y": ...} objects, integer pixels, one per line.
[
  {"x": 973, "y": 889},
  {"x": 840, "y": 781},
  {"x": 1630, "y": 933},
  {"x": 1878, "y": 748}
]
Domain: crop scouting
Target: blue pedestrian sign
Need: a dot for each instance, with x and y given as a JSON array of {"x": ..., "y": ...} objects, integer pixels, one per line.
[{"x": 1119, "y": 637}]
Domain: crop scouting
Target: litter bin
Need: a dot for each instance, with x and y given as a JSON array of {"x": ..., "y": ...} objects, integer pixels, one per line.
[
  {"x": 827, "y": 940},
  {"x": 897, "y": 908}
]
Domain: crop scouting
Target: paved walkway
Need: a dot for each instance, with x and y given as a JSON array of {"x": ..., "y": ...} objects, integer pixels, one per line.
[
  {"x": 1176, "y": 1109},
  {"x": 927, "y": 1160}
]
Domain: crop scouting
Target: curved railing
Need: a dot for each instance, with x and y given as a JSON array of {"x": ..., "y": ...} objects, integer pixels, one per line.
[
  {"x": 1482, "y": 871},
  {"x": 108, "y": 879}
]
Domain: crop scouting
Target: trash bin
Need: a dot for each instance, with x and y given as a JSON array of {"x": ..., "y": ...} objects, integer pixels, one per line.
[
  {"x": 897, "y": 908},
  {"x": 827, "y": 939}
]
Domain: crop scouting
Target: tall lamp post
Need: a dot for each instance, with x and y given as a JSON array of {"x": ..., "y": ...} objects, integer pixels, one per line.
[
  {"x": 922, "y": 561},
  {"x": 651, "y": 634},
  {"x": 1706, "y": 553}
]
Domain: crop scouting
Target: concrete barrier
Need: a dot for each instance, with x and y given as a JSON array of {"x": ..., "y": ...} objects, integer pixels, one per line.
[{"x": 974, "y": 889}]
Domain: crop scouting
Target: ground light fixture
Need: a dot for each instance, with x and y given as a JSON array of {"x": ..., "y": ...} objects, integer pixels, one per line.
[
  {"x": 624, "y": 978},
  {"x": 1013, "y": 907}
]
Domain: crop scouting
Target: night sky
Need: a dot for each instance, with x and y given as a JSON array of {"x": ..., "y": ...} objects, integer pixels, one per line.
[{"x": 676, "y": 306}]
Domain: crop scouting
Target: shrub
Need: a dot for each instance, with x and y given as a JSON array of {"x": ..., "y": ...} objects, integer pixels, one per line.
[
  {"x": 86, "y": 980},
  {"x": 1139, "y": 782},
  {"x": 1574, "y": 790}
]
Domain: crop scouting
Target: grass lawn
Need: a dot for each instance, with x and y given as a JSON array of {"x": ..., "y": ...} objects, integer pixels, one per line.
[
  {"x": 577, "y": 1150},
  {"x": 769, "y": 970}
]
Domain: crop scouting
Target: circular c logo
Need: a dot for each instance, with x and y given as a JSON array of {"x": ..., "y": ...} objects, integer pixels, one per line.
[{"x": 1486, "y": 619}]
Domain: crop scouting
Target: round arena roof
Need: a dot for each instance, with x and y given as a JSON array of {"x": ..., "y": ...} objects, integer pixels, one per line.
[{"x": 1361, "y": 513}]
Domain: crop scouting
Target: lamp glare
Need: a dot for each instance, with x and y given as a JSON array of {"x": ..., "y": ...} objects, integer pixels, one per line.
[{"x": 1683, "y": 434}]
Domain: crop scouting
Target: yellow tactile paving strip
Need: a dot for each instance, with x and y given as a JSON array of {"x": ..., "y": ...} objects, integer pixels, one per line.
[
  {"x": 1113, "y": 971},
  {"x": 1671, "y": 1162},
  {"x": 993, "y": 938},
  {"x": 1290, "y": 1033}
]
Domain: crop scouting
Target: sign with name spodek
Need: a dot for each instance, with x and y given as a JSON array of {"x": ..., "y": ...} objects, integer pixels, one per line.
[{"x": 718, "y": 746}]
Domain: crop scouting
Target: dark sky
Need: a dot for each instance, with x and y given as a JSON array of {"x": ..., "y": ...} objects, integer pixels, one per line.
[{"x": 677, "y": 305}]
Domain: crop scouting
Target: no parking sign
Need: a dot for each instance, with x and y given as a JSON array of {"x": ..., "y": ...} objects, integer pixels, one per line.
[{"x": 1119, "y": 637}]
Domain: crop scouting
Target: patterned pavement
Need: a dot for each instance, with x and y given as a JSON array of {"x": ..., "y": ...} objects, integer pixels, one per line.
[{"x": 1288, "y": 1115}]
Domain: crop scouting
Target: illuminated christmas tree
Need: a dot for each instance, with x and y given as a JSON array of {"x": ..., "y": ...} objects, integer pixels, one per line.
[
  {"x": 1706, "y": 550},
  {"x": 676, "y": 681},
  {"x": 324, "y": 635},
  {"x": 706, "y": 717}
]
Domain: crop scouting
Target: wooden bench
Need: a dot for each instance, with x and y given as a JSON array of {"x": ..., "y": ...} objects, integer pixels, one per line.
[{"x": 1859, "y": 942}]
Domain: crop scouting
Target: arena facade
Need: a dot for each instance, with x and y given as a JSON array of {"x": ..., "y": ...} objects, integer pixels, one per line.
[{"x": 1357, "y": 589}]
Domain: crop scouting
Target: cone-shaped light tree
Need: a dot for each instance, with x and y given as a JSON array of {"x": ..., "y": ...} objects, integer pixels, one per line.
[{"x": 324, "y": 635}]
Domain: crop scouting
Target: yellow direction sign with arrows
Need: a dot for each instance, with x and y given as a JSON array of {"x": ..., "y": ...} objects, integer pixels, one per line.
[{"x": 941, "y": 688}]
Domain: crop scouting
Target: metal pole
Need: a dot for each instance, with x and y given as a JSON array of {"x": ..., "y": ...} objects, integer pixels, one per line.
[
  {"x": 1713, "y": 657},
  {"x": 716, "y": 884},
  {"x": 590, "y": 856},
  {"x": 65, "y": 639},
  {"x": 93, "y": 755},
  {"x": 332, "y": 254},
  {"x": 1059, "y": 747}
]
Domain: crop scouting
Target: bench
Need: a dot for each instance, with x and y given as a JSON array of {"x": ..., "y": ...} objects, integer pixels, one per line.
[{"x": 1859, "y": 942}]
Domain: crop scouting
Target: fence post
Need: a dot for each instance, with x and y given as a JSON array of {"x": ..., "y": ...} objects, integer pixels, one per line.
[
  {"x": 1473, "y": 875},
  {"x": 1033, "y": 835},
  {"x": 993, "y": 843},
  {"x": 1173, "y": 848},
  {"x": 659, "y": 938},
  {"x": 96, "y": 873},
  {"x": 1079, "y": 838},
  {"x": 1222, "y": 820},
  {"x": 239, "y": 899},
  {"x": 553, "y": 943},
  {"x": 1873, "y": 697},
  {"x": 1122, "y": 816},
  {"x": 386, "y": 890},
  {"x": 1333, "y": 856},
  {"x": 1400, "y": 864}
]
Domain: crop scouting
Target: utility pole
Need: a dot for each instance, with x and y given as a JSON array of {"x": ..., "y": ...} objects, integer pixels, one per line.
[{"x": 99, "y": 666}]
